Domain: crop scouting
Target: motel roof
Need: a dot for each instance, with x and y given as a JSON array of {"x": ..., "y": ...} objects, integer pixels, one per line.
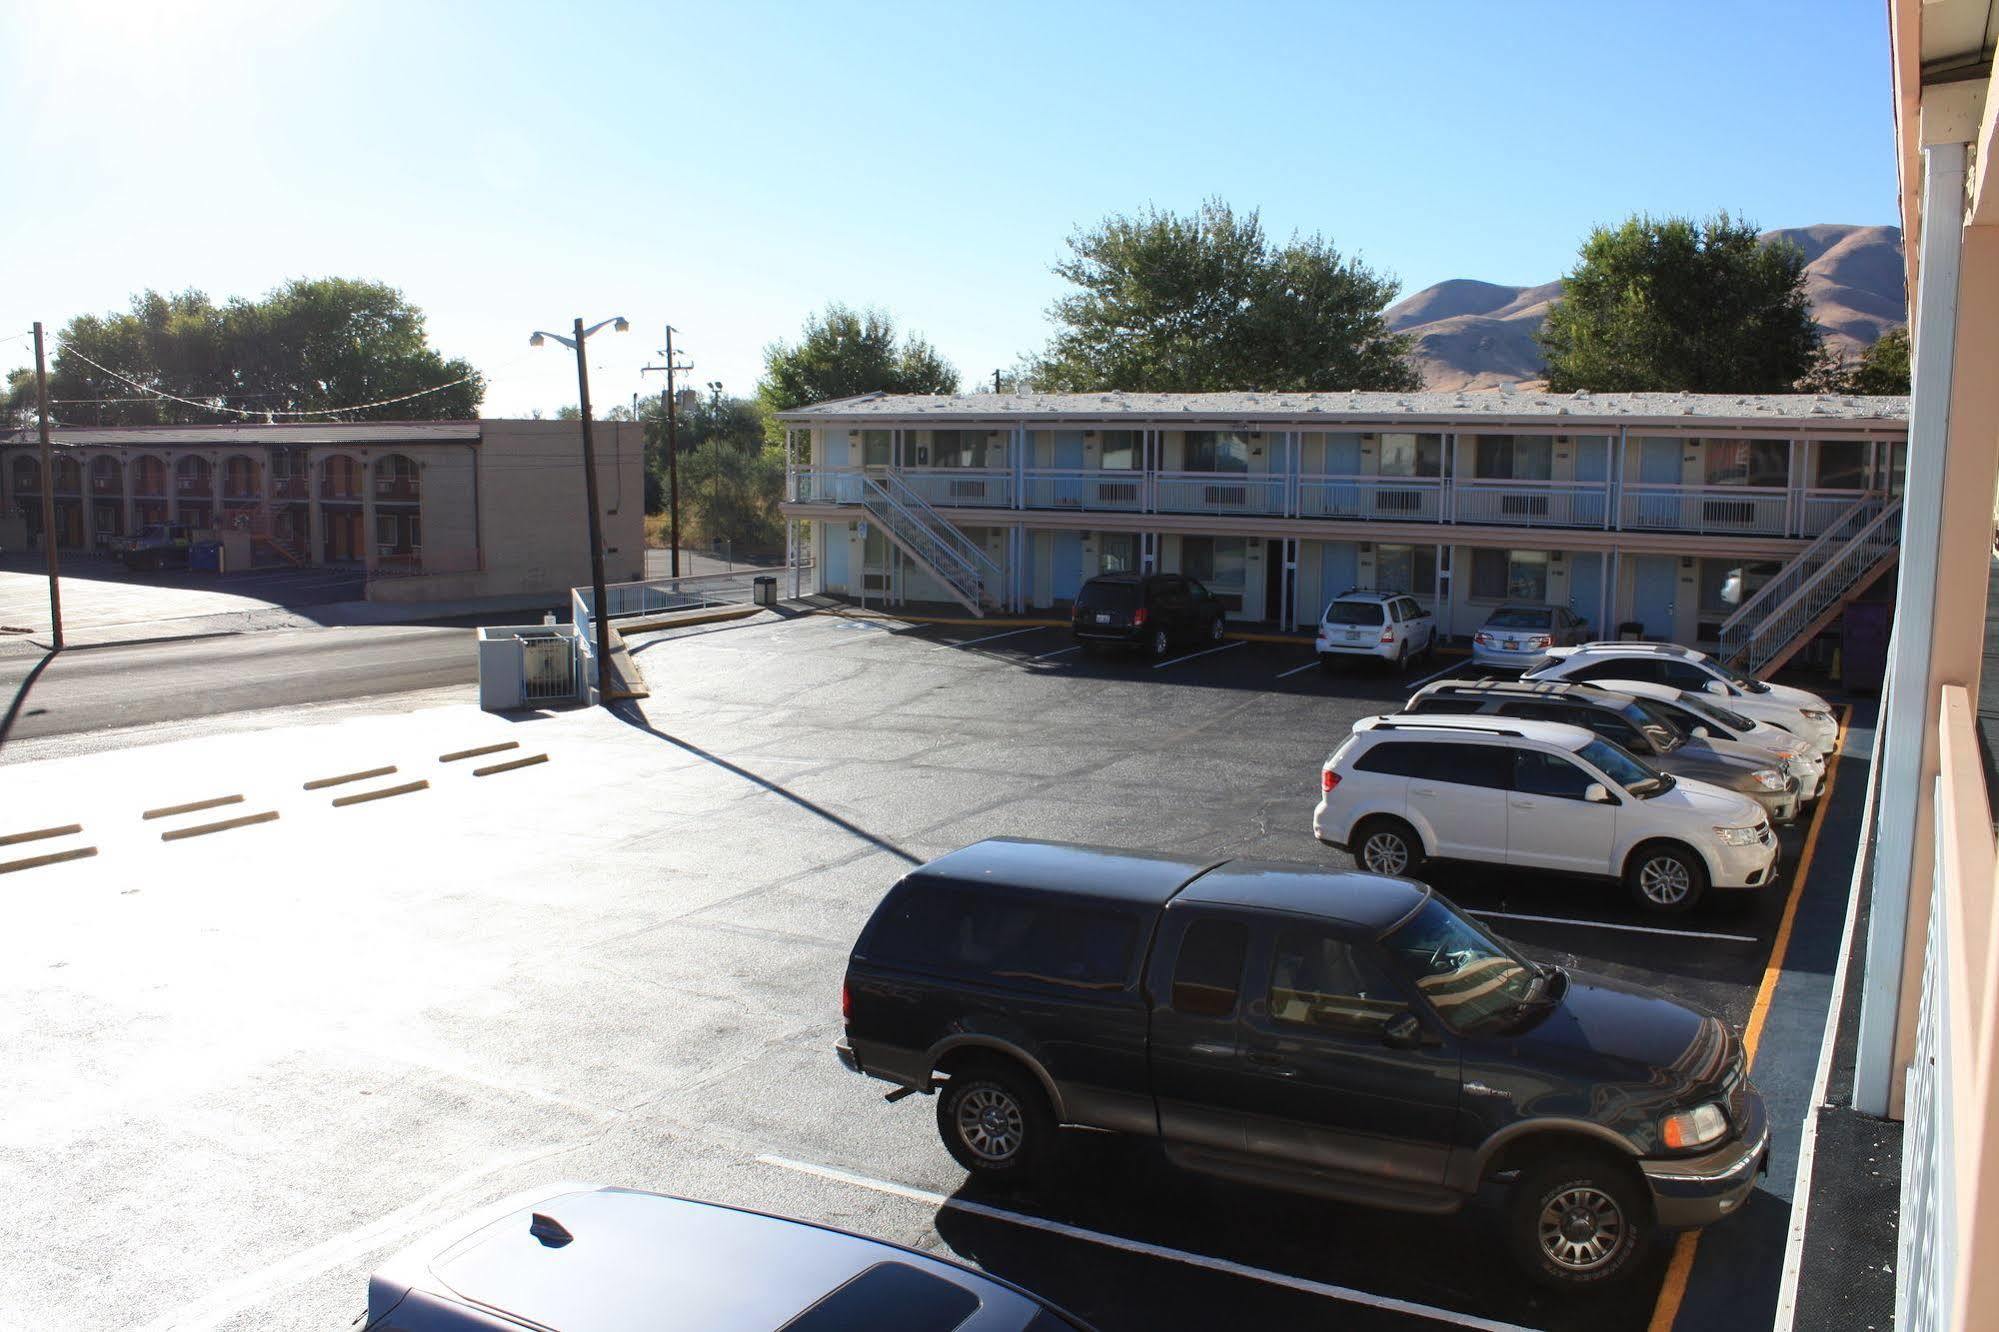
[{"x": 1332, "y": 410}]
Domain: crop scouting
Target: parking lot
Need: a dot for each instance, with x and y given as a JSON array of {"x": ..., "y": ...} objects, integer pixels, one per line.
[
  {"x": 261, "y": 1061},
  {"x": 104, "y": 600}
]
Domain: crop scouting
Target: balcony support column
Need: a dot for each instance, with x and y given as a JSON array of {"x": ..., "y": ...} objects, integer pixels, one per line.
[{"x": 1941, "y": 588}]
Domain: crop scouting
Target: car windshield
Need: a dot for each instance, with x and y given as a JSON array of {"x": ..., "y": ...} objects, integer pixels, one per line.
[
  {"x": 1716, "y": 713},
  {"x": 1624, "y": 768},
  {"x": 1664, "y": 733},
  {"x": 1470, "y": 978},
  {"x": 1519, "y": 617},
  {"x": 1107, "y": 596},
  {"x": 1748, "y": 684},
  {"x": 1354, "y": 612}
]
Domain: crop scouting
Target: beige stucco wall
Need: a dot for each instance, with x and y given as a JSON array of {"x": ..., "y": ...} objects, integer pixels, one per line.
[{"x": 531, "y": 512}]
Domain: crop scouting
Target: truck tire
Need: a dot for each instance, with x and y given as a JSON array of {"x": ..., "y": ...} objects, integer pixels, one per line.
[
  {"x": 995, "y": 1121},
  {"x": 1577, "y": 1221}
]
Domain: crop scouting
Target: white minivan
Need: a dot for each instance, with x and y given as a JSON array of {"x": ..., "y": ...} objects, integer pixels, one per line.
[
  {"x": 1541, "y": 795},
  {"x": 1798, "y": 711}
]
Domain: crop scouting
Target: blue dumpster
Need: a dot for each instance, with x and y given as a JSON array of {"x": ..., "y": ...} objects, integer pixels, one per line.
[{"x": 205, "y": 557}]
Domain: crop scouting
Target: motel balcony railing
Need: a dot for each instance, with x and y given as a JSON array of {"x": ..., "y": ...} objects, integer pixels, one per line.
[
  {"x": 402, "y": 489},
  {"x": 109, "y": 486},
  {"x": 290, "y": 488},
  {"x": 200, "y": 487},
  {"x": 1531, "y": 503},
  {"x": 1948, "y": 1124},
  {"x": 1218, "y": 492},
  {"x": 1732, "y": 510}
]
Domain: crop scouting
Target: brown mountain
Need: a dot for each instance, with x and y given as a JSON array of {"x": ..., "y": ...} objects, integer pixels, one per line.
[{"x": 1472, "y": 334}]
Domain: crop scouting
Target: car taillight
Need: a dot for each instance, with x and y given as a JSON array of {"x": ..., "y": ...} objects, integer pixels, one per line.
[
  {"x": 1328, "y": 780},
  {"x": 1539, "y": 641},
  {"x": 846, "y": 1003},
  {"x": 1481, "y": 637},
  {"x": 1138, "y": 616},
  {"x": 1388, "y": 634}
]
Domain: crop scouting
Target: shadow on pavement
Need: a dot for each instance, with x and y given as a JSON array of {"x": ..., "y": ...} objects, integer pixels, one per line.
[
  {"x": 632, "y": 715},
  {"x": 1126, "y": 1189},
  {"x": 21, "y": 696}
]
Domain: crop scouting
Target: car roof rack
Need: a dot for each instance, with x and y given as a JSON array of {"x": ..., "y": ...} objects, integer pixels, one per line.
[{"x": 1453, "y": 725}]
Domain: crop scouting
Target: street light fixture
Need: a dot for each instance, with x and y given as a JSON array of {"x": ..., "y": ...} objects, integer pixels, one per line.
[{"x": 598, "y": 606}]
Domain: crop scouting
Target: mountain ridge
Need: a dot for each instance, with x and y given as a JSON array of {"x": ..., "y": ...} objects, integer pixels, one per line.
[{"x": 1475, "y": 334}]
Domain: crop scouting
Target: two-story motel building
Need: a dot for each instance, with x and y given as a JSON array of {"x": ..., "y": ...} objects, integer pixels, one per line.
[{"x": 1666, "y": 511}]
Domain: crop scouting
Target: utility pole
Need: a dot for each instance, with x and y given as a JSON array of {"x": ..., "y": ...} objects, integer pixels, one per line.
[
  {"x": 672, "y": 450},
  {"x": 996, "y": 387},
  {"x": 600, "y": 604},
  {"x": 48, "y": 494}
]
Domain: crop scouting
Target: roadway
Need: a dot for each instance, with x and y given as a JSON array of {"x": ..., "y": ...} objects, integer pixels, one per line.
[{"x": 113, "y": 686}]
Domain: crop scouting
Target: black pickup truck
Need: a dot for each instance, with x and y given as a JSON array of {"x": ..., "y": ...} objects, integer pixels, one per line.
[{"x": 1336, "y": 1033}]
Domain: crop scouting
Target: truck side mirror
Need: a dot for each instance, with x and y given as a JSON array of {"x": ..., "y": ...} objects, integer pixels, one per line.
[{"x": 1402, "y": 1032}]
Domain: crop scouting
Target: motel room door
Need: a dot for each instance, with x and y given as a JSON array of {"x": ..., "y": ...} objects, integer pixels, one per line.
[{"x": 1655, "y": 581}]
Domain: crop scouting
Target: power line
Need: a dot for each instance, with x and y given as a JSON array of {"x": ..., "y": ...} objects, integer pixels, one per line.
[{"x": 260, "y": 411}]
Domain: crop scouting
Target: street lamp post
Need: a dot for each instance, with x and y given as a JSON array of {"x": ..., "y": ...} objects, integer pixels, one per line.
[{"x": 598, "y": 607}]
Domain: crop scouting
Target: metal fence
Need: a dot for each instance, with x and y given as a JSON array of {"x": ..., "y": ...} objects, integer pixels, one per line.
[{"x": 548, "y": 667}]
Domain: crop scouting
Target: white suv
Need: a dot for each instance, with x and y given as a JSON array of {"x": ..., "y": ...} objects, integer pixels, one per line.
[
  {"x": 1363, "y": 623},
  {"x": 1702, "y": 711},
  {"x": 1798, "y": 711},
  {"x": 1541, "y": 795}
]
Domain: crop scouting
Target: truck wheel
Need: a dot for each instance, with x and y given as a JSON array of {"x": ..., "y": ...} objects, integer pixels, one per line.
[
  {"x": 1216, "y": 628},
  {"x": 1160, "y": 643},
  {"x": 995, "y": 1121},
  {"x": 1387, "y": 846},
  {"x": 1665, "y": 879},
  {"x": 1577, "y": 1221}
]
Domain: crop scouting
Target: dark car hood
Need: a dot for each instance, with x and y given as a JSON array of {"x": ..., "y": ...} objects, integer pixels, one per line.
[{"x": 1658, "y": 1040}]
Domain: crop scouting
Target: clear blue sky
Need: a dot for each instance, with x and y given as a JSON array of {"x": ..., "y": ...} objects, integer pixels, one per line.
[{"x": 731, "y": 167}]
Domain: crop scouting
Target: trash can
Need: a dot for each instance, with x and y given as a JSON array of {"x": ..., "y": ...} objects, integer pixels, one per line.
[
  {"x": 205, "y": 557},
  {"x": 764, "y": 590},
  {"x": 1631, "y": 631}
]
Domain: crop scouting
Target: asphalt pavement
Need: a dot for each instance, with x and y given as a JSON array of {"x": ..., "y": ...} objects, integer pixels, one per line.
[{"x": 245, "y": 1067}]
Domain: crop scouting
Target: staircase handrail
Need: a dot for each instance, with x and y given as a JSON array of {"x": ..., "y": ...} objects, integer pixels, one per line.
[
  {"x": 950, "y": 564},
  {"x": 1805, "y": 562},
  {"x": 1858, "y": 555},
  {"x": 972, "y": 552}
]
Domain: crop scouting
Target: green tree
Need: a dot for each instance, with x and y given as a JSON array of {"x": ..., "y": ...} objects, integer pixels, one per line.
[
  {"x": 1203, "y": 303},
  {"x": 1884, "y": 366},
  {"x": 311, "y": 345},
  {"x": 844, "y": 353},
  {"x": 1678, "y": 304}
]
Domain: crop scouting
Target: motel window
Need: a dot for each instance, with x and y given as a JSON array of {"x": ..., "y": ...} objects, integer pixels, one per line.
[
  {"x": 1842, "y": 465},
  {"x": 966, "y": 448},
  {"x": 1514, "y": 457},
  {"x": 877, "y": 448},
  {"x": 1118, "y": 552},
  {"x": 1216, "y": 451},
  {"x": 1509, "y": 575},
  {"x": 1411, "y": 569},
  {"x": 1220, "y": 562},
  {"x": 1412, "y": 455},
  {"x": 1120, "y": 450},
  {"x": 1749, "y": 462}
]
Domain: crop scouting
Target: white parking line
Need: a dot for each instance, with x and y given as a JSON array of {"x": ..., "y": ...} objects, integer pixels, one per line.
[
  {"x": 1438, "y": 676},
  {"x": 1613, "y": 925},
  {"x": 1032, "y": 629},
  {"x": 1204, "y": 652},
  {"x": 1295, "y": 669},
  {"x": 1073, "y": 647},
  {"x": 1222, "y": 1265}
]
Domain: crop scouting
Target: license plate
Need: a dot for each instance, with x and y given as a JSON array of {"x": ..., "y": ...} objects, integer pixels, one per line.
[
  {"x": 1354, "y": 635},
  {"x": 1103, "y": 619},
  {"x": 1512, "y": 645}
]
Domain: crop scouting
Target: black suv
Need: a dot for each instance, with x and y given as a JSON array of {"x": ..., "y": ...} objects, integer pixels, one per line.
[
  {"x": 1150, "y": 611},
  {"x": 1336, "y": 1033}
]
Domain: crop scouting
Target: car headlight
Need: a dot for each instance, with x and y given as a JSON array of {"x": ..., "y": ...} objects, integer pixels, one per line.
[
  {"x": 1768, "y": 778},
  {"x": 1817, "y": 714},
  {"x": 1693, "y": 1128},
  {"x": 1737, "y": 836}
]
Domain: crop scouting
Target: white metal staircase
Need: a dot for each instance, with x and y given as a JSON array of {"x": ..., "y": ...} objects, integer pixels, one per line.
[
  {"x": 1768, "y": 628},
  {"x": 932, "y": 540}
]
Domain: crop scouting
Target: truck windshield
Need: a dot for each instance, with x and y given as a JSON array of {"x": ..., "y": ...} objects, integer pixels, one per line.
[{"x": 1470, "y": 978}]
